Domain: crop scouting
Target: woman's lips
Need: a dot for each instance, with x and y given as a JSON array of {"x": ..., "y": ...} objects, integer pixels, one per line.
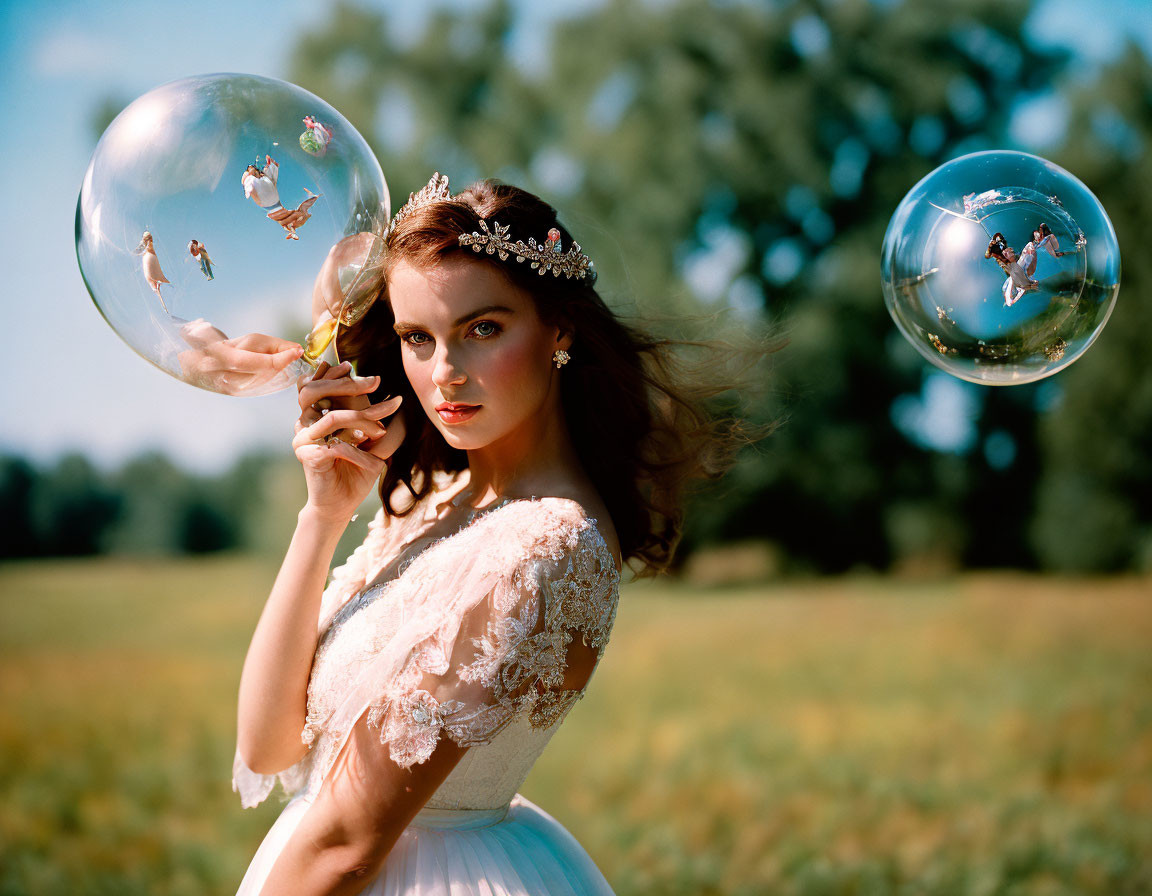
[{"x": 456, "y": 413}]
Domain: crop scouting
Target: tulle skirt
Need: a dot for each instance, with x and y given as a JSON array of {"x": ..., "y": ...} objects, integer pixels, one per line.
[{"x": 518, "y": 851}]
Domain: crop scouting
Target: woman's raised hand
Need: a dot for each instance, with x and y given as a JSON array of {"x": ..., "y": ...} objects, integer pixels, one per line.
[
  {"x": 334, "y": 407},
  {"x": 238, "y": 366}
]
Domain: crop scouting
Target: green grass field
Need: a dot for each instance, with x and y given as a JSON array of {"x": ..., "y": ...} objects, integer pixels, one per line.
[{"x": 985, "y": 735}]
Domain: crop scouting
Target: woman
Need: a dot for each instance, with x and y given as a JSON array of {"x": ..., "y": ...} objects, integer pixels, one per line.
[
  {"x": 1044, "y": 238},
  {"x": 150, "y": 265},
  {"x": 533, "y": 444},
  {"x": 1019, "y": 279}
]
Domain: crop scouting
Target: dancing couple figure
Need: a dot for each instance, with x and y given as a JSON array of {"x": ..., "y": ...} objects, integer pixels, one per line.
[{"x": 1019, "y": 269}]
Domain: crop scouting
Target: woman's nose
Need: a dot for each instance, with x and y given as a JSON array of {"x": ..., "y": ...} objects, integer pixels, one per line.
[{"x": 447, "y": 373}]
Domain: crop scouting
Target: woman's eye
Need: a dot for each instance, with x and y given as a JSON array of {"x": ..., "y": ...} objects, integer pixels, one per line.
[
  {"x": 486, "y": 328},
  {"x": 415, "y": 337}
]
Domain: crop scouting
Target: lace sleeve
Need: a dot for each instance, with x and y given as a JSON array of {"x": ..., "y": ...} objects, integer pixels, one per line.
[
  {"x": 529, "y": 647},
  {"x": 507, "y": 617}
]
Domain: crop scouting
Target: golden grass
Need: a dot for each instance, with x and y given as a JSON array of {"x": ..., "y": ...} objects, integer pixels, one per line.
[{"x": 984, "y": 735}]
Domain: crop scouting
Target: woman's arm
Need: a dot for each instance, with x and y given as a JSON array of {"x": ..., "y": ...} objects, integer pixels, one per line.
[
  {"x": 274, "y": 684},
  {"x": 272, "y": 704},
  {"x": 364, "y": 806}
]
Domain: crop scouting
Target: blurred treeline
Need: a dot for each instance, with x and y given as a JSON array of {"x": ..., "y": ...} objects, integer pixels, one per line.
[
  {"x": 147, "y": 507},
  {"x": 747, "y": 157}
]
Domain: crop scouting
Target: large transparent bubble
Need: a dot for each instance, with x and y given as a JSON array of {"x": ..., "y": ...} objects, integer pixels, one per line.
[
  {"x": 225, "y": 220},
  {"x": 1000, "y": 267}
]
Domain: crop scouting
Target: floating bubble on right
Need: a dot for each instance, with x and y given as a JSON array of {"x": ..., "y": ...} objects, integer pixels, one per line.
[{"x": 1000, "y": 268}]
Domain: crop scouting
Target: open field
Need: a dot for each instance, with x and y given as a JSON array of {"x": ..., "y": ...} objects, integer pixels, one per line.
[{"x": 986, "y": 735}]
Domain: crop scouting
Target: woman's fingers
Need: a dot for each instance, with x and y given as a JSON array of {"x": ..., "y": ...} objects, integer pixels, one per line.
[
  {"x": 309, "y": 413},
  {"x": 323, "y": 372},
  {"x": 318, "y": 374},
  {"x": 385, "y": 408},
  {"x": 344, "y": 385},
  {"x": 264, "y": 344},
  {"x": 353, "y": 426},
  {"x": 361, "y": 459},
  {"x": 253, "y": 354},
  {"x": 322, "y": 457},
  {"x": 329, "y": 420},
  {"x": 334, "y": 421}
]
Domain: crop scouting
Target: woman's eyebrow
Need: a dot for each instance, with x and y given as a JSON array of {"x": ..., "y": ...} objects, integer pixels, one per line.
[{"x": 479, "y": 312}]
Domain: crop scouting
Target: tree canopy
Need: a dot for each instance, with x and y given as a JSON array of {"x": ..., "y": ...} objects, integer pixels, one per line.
[{"x": 747, "y": 157}]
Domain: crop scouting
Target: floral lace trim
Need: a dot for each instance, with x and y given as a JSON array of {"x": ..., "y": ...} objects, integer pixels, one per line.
[
  {"x": 525, "y": 670},
  {"x": 411, "y": 725}
]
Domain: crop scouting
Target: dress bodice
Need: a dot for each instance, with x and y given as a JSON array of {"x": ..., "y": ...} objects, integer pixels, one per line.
[
  {"x": 479, "y": 635},
  {"x": 490, "y": 774}
]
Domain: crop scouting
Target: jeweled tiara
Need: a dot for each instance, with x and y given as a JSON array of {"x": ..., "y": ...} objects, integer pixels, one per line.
[
  {"x": 436, "y": 190},
  {"x": 543, "y": 257}
]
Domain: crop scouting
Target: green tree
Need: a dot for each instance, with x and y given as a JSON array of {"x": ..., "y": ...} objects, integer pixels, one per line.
[
  {"x": 153, "y": 492},
  {"x": 747, "y": 155},
  {"x": 17, "y": 486},
  {"x": 73, "y": 509},
  {"x": 168, "y": 511}
]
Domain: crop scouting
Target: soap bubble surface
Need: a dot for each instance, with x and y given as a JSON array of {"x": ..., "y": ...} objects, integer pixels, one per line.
[
  {"x": 205, "y": 266},
  {"x": 1000, "y": 267}
]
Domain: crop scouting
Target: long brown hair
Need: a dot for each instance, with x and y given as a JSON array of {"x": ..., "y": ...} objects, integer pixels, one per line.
[{"x": 638, "y": 418}]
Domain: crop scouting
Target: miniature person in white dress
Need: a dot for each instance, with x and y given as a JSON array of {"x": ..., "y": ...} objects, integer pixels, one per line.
[
  {"x": 531, "y": 444},
  {"x": 260, "y": 185},
  {"x": 150, "y": 265}
]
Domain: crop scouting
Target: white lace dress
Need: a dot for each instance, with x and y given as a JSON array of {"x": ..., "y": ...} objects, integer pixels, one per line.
[{"x": 465, "y": 635}]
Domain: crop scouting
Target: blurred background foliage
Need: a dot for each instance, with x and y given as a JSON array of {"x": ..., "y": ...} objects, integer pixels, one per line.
[{"x": 745, "y": 158}]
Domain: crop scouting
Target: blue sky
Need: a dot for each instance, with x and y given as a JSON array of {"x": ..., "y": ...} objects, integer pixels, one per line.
[{"x": 77, "y": 386}]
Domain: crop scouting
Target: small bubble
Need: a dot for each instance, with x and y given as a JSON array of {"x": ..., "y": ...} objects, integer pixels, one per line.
[{"x": 1000, "y": 268}]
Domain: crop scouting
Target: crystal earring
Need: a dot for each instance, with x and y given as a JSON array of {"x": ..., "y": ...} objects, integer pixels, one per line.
[{"x": 561, "y": 358}]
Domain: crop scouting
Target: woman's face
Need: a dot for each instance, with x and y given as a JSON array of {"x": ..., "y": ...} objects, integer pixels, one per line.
[{"x": 475, "y": 350}]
